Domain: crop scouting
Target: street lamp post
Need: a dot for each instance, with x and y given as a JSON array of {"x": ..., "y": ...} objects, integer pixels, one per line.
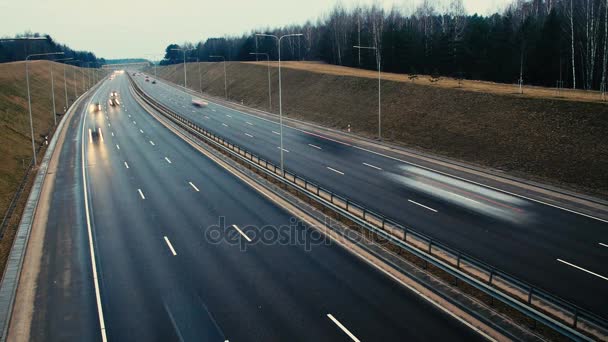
[
  {"x": 65, "y": 82},
  {"x": 185, "y": 73},
  {"x": 53, "y": 88},
  {"x": 29, "y": 98},
  {"x": 280, "y": 95},
  {"x": 379, "y": 88},
  {"x": 225, "y": 81},
  {"x": 268, "y": 67}
]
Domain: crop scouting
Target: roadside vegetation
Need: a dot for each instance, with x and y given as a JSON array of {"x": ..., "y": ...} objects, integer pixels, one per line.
[{"x": 15, "y": 138}]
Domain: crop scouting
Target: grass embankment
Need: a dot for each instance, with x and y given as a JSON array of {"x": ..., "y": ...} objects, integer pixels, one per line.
[
  {"x": 15, "y": 140},
  {"x": 561, "y": 141}
]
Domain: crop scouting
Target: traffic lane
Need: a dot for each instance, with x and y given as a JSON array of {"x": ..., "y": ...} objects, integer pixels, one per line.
[
  {"x": 132, "y": 252},
  {"x": 248, "y": 263},
  {"x": 119, "y": 224},
  {"x": 64, "y": 304}
]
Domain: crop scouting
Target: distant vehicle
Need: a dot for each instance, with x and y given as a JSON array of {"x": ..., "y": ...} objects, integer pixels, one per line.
[
  {"x": 154, "y": 82},
  {"x": 114, "y": 99},
  {"x": 97, "y": 107},
  {"x": 199, "y": 103},
  {"x": 147, "y": 80}
]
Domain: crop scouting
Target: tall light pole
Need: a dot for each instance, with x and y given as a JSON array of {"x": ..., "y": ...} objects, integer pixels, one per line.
[
  {"x": 268, "y": 67},
  {"x": 185, "y": 73},
  {"x": 379, "y": 87},
  {"x": 53, "y": 88},
  {"x": 65, "y": 82},
  {"x": 280, "y": 96},
  {"x": 225, "y": 81},
  {"x": 29, "y": 98}
]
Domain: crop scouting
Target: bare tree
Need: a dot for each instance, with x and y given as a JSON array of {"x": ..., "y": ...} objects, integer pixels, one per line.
[{"x": 571, "y": 16}]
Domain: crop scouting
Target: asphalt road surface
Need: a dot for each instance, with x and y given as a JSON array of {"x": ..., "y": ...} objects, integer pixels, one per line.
[
  {"x": 557, "y": 250},
  {"x": 153, "y": 201}
]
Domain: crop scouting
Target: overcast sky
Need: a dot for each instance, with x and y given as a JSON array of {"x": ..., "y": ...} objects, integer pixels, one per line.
[{"x": 134, "y": 28}]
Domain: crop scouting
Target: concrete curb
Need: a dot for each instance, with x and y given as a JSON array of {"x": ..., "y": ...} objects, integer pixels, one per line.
[{"x": 12, "y": 272}]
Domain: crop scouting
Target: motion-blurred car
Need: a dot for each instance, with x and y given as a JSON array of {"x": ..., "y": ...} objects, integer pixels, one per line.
[
  {"x": 199, "y": 103},
  {"x": 114, "y": 99},
  {"x": 97, "y": 107},
  {"x": 154, "y": 82}
]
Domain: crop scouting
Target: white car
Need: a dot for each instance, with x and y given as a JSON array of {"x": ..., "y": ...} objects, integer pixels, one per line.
[{"x": 199, "y": 103}]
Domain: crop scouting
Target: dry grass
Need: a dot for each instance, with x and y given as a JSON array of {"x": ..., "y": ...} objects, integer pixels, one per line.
[
  {"x": 448, "y": 82},
  {"x": 15, "y": 141},
  {"x": 555, "y": 141}
]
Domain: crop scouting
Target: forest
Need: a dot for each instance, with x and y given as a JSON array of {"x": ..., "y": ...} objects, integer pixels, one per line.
[
  {"x": 540, "y": 42},
  {"x": 18, "y": 50}
]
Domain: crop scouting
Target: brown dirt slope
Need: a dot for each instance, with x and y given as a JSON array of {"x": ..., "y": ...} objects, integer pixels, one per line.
[
  {"x": 558, "y": 141},
  {"x": 15, "y": 141}
]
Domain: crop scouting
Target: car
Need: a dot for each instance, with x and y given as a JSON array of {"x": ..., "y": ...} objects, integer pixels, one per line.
[
  {"x": 199, "y": 103},
  {"x": 114, "y": 99},
  {"x": 147, "y": 80},
  {"x": 154, "y": 82},
  {"x": 97, "y": 107}
]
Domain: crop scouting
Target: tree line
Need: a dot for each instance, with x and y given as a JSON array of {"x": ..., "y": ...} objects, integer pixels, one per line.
[
  {"x": 18, "y": 50},
  {"x": 541, "y": 42}
]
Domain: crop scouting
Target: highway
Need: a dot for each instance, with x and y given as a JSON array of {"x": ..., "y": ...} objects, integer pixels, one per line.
[
  {"x": 139, "y": 200},
  {"x": 560, "y": 251}
]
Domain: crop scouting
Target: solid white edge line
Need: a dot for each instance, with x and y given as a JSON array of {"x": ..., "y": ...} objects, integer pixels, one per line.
[
  {"x": 422, "y": 205},
  {"x": 168, "y": 160},
  {"x": 373, "y": 166},
  {"x": 193, "y": 186},
  {"x": 102, "y": 324},
  {"x": 126, "y": 165},
  {"x": 603, "y": 244},
  {"x": 241, "y": 232},
  {"x": 141, "y": 194},
  {"x": 336, "y": 171},
  {"x": 343, "y": 328},
  {"x": 315, "y": 146},
  {"x": 582, "y": 269},
  {"x": 170, "y": 246}
]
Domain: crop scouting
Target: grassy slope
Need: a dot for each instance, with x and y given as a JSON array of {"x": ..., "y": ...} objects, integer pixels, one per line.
[
  {"x": 15, "y": 141},
  {"x": 561, "y": 141}
]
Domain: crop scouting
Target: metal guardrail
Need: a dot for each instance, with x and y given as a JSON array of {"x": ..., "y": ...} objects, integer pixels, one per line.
[{"x": 560, "y": 315}]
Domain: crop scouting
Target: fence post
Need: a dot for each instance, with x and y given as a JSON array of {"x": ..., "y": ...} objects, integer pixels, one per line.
[
  {"x": 530, "y": 295},
  {"x": 491, "y": 277},
  {"x": 458, "y": 261},
  {"x": 430, "y": 246},
  {"x": 575, "y": 318}
]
